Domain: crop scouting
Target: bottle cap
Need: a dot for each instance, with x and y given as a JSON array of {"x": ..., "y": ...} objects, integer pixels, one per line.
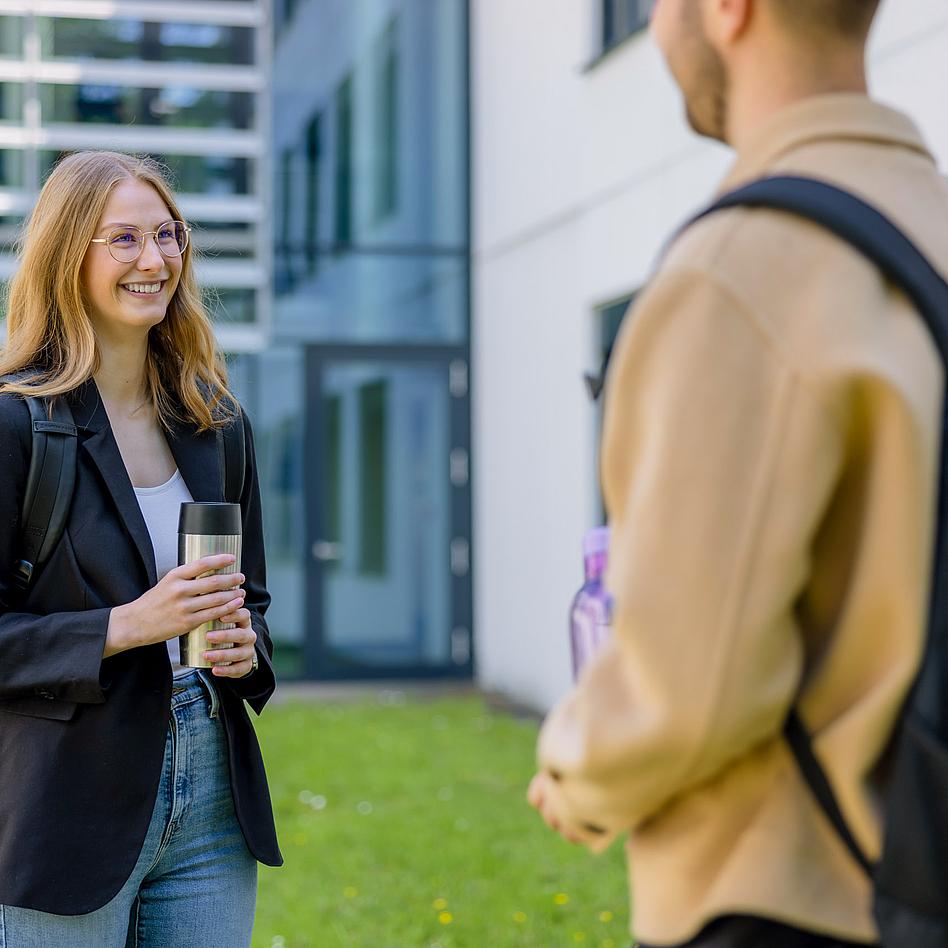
[
  {"x": 596, "y": 541},
  {"x": 210, "y": 519}
]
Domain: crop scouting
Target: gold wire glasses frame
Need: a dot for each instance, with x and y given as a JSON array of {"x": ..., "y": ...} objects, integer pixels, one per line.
[{"x": 126, "y": 244}]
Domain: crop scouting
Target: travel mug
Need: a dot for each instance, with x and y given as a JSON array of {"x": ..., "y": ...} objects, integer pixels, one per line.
[{"x": 205, "y": 529}]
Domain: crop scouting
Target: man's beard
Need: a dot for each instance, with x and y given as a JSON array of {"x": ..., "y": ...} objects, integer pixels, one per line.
[{"x": 706, "y": 92}]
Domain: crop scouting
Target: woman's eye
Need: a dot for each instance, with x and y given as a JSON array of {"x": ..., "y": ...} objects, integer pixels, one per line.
[{"x": 124, "y": 238}]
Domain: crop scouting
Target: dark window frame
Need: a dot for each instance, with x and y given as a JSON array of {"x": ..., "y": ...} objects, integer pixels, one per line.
[
  {"x": 344, "y": 165},
  {"x": 385, "y": 196},
  {"x": 622, "y": 19}
]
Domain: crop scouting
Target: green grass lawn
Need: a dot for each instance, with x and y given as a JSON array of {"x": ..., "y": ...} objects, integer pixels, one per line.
[{"x": 404, "y": 824}]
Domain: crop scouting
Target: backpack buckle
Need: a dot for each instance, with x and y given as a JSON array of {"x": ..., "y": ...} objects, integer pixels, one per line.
[{"x": 22, "y": 574}]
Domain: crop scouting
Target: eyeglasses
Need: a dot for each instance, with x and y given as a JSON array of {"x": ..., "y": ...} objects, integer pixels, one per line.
[{"x": 127, "y": 243}]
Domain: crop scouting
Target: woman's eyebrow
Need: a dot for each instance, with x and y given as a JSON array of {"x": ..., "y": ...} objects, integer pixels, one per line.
[{"x": 126, "y": 224}]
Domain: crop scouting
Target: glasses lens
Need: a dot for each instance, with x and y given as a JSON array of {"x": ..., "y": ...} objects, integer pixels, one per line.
[
  {"x": 172, "y": 238},
  {"x": 125, "y": 244}
]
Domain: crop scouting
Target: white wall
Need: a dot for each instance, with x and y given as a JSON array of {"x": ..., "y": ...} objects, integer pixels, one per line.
[{"x": 578, "y": 176}]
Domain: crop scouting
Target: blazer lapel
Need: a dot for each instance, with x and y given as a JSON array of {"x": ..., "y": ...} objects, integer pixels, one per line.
[
  {"x": 96, "y": 438},
  {"x": 195, "y": 454},
  {"x": 198, "y": 461}
]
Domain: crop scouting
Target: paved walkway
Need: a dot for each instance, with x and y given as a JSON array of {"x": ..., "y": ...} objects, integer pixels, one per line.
[{"x": 395, "y": 693}]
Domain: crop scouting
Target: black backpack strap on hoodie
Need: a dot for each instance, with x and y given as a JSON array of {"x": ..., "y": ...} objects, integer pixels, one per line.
[
  {"x": 49, "y": 486},
  {"x": 901, "y": 262}
]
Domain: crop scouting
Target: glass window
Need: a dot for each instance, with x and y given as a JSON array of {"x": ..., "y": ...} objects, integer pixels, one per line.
[
  {"x": 231, "y": 305},
  {"x": 10, "y": 228},
  {"x": 149, "y": 42},
  {"x": 342, "y": 233},
  {"x": 11, "y": 103},
  {"x": 379, "y": 297},
  {"x": 285, "y": 251},
  {"x": 177, "y": 106},
  {"x": 224, "y": 240},
  {"x": 190, "y": 174},
  {"x": 373, "y": 477},
  {"x": 609, "y": 319},
  {"x": 378, "y": 243},
  {"x": 270, "y": 387},
  {"x": 386, "y": 123},
  {"x": 11, "y": 168},
  {"x": 311, "y": 223},
  {"x": 11, "y": 36},
  {"x": 622, "y": 18}
]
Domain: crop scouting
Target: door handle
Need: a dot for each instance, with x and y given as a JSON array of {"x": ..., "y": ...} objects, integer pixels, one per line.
[{"x": 327, "y": 552}]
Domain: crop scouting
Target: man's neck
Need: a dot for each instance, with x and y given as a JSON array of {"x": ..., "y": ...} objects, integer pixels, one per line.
[{"x": 757, "y": 95}]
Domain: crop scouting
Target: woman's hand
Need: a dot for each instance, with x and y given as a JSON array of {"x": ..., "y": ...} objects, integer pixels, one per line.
[
  {"x": 236, "y": 662},
  {"x": 182, "y": 600}
]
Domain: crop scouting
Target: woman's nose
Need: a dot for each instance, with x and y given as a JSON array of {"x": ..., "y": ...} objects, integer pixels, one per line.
[{"x": 151, "y": 258}]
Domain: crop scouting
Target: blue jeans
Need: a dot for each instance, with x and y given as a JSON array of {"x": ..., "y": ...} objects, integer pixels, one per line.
[{"x": 195, "y": 882}]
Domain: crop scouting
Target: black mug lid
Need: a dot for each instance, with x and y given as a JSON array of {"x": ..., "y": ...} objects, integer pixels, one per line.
[{"x": 210, "y": 519}]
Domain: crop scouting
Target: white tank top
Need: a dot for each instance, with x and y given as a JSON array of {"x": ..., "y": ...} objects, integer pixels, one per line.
[{"x": 160, "y": 507}]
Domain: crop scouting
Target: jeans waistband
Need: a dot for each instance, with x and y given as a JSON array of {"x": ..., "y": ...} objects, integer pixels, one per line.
[{"x": 195, "y": 686}]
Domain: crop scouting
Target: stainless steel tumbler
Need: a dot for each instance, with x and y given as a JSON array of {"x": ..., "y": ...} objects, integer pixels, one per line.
[{"x": 203, "y": 530}]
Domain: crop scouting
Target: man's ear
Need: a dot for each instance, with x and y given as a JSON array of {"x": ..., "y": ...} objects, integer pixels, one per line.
[{"x": 726, "y": 21}]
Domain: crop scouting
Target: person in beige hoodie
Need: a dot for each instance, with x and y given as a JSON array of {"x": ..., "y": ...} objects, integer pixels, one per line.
[{"x": 769, "y": 458}]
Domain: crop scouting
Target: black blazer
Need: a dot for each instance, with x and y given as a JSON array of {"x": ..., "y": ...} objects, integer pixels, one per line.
[{"x": 81, "y": 737}]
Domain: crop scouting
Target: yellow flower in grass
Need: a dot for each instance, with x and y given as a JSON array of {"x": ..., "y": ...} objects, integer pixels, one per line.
[
  {"x": 350, "y": 891},
  {"x": 519, "y": 917},
  {"x": 440, "y": 904},
  {"x": 579, "y": 936},
  {"x": 561, "y": 898},
  {"x": 605, "y": 916},
  {"x": 445, "y": 918}
]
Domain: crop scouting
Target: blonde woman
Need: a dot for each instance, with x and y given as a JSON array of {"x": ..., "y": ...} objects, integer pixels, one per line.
[{"x": 133, "y": 800}]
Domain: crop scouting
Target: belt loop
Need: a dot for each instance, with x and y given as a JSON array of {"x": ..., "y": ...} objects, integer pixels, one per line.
[{"x": 211, "y": 693}]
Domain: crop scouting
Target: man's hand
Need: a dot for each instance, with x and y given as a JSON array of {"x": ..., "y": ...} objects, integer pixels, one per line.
[{"x": 543, "y": 796}]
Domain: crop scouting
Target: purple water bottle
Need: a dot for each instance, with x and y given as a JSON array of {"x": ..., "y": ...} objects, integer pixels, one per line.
[{"x": 591, "y": 612}]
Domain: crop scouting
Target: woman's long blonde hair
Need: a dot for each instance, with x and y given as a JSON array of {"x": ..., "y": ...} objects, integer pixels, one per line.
[{"x": 50, "y": 336}]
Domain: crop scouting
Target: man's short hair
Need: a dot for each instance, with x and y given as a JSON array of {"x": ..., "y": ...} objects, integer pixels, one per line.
[{"x": 849, "y": 19}]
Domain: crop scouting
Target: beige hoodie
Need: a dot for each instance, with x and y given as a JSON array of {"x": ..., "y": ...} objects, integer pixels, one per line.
[{"x": 769, "y": 459}]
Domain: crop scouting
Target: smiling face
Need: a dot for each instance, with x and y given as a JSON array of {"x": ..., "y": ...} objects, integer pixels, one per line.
[{"x": 132, "y": 297}]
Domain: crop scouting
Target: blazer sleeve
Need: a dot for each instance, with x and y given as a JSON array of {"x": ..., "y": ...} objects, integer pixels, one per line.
[
  {"x": 719, "y": 459},
  {"x": 48, "y": 656},
  {"x": 257, "y": 687}
]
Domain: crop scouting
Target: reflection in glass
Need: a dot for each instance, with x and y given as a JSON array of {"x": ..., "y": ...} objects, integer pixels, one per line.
[
  {"x": 378, "y": 297},
  {"x": 180, "y": 106},
  {"x": 11, "y": 102},
  {"x": 386, "y": 601},
  {"x": 231, "y": 304},
  {"x": 270, "y": 386},
  {"x": 192, "y": 174},
  {"x": 370, "y": 224},
  {"x": 224, "y": 240},
  {"x": 11, "y": 168},
  {"x": 11, "y": 36},
  {"x": 150, "y": 42}
]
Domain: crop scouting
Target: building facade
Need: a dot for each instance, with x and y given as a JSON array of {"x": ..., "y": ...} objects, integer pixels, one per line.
[
  {"x": 361, "y": 398},
  {"x": 583, "y": 166}
]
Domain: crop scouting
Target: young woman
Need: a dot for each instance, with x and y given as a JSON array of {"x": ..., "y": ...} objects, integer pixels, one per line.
[{"x": 133, "y": 801}]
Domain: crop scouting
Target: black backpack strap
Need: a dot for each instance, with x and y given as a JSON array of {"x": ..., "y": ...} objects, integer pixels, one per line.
[
  {"x": 232, "y": 452},
  {"x": 49, "y": 486},
  {"x": 869, "y": 231}
]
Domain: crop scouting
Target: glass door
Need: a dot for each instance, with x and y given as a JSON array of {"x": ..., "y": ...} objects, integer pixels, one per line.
[{"x": 388, "y": 515}]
